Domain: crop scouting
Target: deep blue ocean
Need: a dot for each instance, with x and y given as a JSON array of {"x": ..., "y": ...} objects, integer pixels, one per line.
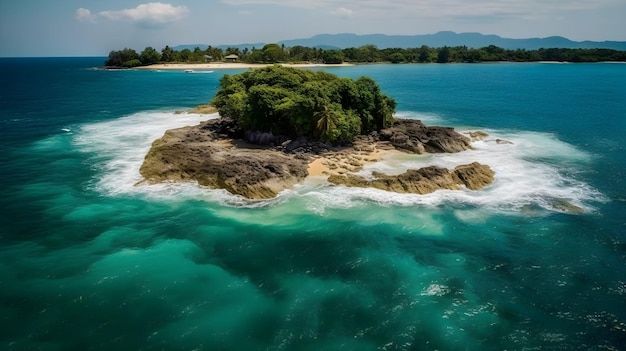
[{"x": 89, "y": 261}]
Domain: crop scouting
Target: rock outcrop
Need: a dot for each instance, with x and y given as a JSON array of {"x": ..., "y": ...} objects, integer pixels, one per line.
[
  {"x": 424, "y": 180},
  {"x": 414, "y": 136},
  {"x": 208, "y": 156},
  {"x": 474, "y": 175},
  {"x": 216, "y": 154}
]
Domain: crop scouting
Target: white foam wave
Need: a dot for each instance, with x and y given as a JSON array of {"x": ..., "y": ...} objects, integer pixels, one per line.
[
  {"x": 535, "y": 170},
  {"x": 435, "y": 290},
  {"x": 118, "y": 147}
]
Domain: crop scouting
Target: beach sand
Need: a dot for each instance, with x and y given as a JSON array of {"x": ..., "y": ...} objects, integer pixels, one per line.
[
  {"x": 229, "y": 65},
  {"x": 350, "y": 160}
]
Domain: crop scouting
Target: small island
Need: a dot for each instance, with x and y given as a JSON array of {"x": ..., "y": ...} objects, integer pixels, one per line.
[{"x": 279, "y": 125}]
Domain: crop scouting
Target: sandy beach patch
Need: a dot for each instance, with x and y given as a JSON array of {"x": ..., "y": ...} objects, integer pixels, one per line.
[
  {"x": 350, "y": 160},
  {"x": 229, "y": 65}
]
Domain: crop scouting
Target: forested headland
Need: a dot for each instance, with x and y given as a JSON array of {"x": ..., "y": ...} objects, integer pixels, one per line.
[{"x": 274, "y": 53}]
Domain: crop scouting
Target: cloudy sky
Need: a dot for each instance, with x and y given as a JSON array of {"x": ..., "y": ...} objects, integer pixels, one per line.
[{"x": 94, "y": 27}]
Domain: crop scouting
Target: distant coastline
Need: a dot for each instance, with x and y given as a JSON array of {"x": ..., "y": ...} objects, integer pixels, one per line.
[
  {"x": 215, "y": 58},
  {"x": 230, "y": 65}
]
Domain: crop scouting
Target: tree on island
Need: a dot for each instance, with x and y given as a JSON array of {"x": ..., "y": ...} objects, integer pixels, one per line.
[
  {"x": 123, "y": 58},
  {"x": 149, "y": 56},
  {"x": 295, "y": 102}
]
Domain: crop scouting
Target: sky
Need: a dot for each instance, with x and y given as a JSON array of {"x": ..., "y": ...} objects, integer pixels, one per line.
[{"x": 95, "y": 27}]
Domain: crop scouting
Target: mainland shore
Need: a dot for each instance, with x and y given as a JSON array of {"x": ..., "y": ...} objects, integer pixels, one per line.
[{"x": 230, "y": 65}]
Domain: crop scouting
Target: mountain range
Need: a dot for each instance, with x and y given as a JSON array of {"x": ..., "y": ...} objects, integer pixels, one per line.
[{"x": 440, "y": 39}]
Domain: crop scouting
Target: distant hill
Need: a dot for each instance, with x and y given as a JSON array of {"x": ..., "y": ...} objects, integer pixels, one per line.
[{"x": 440, "y": 39}]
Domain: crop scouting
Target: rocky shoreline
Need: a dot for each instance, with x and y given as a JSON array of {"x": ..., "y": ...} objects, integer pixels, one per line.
[
  {"x": 216, "y": 154},
  {"x": 425, "y": 180}
]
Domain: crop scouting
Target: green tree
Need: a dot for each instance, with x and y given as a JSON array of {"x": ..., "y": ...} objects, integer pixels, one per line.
[
  {"x": 348, "y": 128},
  {"x": 368, "y": 53},
  {"x": 492, "y": 53},
  {"x": 351, "y": 54},
  {"x": 327, "y": 119},
  {"x": 123, "y": 58},
  {"x": 149, "y": 56},
  {"x": 197, "y": 53},
  {"x": 115, "y": 59},
  {"x": 424, "y": 54},
  {"x": 296, "y": 102},
  {"x": 186, "y": 55},
  {"x": 167, "y": 54},
  {"x": 273, "y": 53},
  {"x": 132, "y": 63},
  {"x": 232, "y": 96},
  {"x": 383, "y": 112},
  {"x": 298, "y": 53},
  {"x": 397, "y": 57},
  {"x": 336, "y": 125},
  {"x": 256, "y": 56},
  {"x": 216, "y": 53},
  {"x": 333, "y": 56},
  {"x": 473, "y": 55},
  {"x": 444, "y": 55},
  {"x": 232, "y": 51}
]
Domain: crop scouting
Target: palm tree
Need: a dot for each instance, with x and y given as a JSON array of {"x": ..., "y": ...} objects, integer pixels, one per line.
[
  {"x": 382, "y": 111},
  {"x": 327, "y": 120},
  {"x": 383, "y": 114}
]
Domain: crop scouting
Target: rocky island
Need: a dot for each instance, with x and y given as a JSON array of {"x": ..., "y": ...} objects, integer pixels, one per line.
[{"x": 279, "y": 125}]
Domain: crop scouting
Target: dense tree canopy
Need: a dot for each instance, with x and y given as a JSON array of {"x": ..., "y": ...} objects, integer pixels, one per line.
[
  {"x": 295, "y": 102},
  {"x": 274, "y": 53},
  {"x": 149, "y": 56},
  {"x": 123, "y": 58}
]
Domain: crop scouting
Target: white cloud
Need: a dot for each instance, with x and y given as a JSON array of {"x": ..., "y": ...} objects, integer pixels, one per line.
[
  {"x": 84, "y": 15},
  {"x": 342, "y": 12},
  {"x": 150, "y": 14}
]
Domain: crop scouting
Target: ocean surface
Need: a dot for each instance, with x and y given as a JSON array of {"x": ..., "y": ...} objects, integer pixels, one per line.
[{"x": 89, "y": 261}]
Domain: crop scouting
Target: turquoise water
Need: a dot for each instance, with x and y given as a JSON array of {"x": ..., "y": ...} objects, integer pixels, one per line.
[{"x": 90, "y": 261}]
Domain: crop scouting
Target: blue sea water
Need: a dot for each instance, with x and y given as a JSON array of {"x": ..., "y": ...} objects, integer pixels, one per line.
[{"x": 90, "y": 261}]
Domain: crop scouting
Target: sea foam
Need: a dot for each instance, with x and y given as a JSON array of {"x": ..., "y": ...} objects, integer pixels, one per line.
[
  {"x": 531, "y": 169},
  {"x": 534, "y": 170},
  {"x": 118, "y": 147}
]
